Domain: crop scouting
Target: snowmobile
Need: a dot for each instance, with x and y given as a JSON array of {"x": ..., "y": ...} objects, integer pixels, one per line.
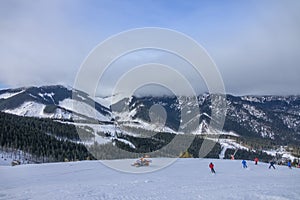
[{"x": 142, "y": 162}]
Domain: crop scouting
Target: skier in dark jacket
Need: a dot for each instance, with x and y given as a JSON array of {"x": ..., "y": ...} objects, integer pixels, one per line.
[
  {"x": 244, "y": 162},
  {"x": 211, "y": 166},
  {"x": 272, "y": 165}
]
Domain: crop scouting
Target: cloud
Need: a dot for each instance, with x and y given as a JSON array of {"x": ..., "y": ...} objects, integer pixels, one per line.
[
  {"x": 262, "y": 54},
  {"x": 126, "y": 65},
  {"x": 255, "y": 44},
  {"x": 39, "y": 44}
]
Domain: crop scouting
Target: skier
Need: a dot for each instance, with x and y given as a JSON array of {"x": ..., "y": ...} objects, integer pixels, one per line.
[
  {"x": 232, "y": 157},
  {"x": 244, "y": 162},
  {"x": 256, "y": 160},
  {"x": 211, "y": 166},
  {"x": 289, "y": 164},
  {"x": 272, "y": 165}
]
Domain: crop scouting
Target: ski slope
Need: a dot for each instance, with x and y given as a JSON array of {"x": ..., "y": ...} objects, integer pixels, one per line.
[{"x": 185, "y": 179}]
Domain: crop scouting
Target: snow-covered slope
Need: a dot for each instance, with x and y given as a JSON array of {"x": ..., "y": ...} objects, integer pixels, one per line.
[
  {"x": 268, "y": 117},
  {"x": 30, "y": 109},
  {"x": 185, "y": 179},
  {"x": 271, "y": 117},
  {"x": 83, "y": 108},
  {"x": 56, "y": 102},
  {"x": 9, "y": 94}
]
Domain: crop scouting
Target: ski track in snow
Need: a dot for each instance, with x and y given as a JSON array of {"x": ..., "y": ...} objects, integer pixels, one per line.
[{"x": 185, "y": 179}]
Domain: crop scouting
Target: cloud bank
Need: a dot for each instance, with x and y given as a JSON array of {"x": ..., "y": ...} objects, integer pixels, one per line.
[{"x": 255, "y": 44}]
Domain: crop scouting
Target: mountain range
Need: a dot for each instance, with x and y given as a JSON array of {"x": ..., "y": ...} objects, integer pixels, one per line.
[{"x": 252, "y": 122}]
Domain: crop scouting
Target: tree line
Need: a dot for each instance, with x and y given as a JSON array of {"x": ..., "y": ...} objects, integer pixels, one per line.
[{"x": 44, "y": 139}]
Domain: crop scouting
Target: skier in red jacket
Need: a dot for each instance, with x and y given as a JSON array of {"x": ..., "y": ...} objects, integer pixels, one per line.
[
  {"x": 256, "y": 160},
  {"x": 211, "y": 166}
]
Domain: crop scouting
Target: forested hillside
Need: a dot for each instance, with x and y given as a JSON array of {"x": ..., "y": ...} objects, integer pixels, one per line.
[{"x": 45, "y": 139}]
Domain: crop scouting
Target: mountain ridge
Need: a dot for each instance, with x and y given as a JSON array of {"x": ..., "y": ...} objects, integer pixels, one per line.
[{"x": 258, "y": 122}]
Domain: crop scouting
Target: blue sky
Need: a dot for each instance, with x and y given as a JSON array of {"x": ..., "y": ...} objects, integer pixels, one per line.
[{"x": 255, "y": 44}]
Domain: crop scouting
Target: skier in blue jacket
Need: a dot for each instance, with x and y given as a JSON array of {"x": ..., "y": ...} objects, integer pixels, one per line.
[
  {"x": 289, "y": 164},
  {"x": 244, "y": 162}
]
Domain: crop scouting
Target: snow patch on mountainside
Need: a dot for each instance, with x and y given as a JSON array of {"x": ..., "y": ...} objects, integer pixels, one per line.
[
  {"x": 147, "y": 126},
  {"x": 29, "y": 109},
  {"x": 204, "y": 129},
  {"x": 281, "y": 151},
  {"x": 125, "y": 115},
  {"x": 82, "y": 108},
  {"x": 61, "y": 114},
  {"x": 50, "y": 95},
  {"x": 10, "y": 94},
  {"x": 255, "y": 112},
  {"x": 34, "y": 109}
]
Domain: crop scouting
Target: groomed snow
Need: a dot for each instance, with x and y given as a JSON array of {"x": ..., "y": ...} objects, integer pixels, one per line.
[{"x": 186, "y": 179}]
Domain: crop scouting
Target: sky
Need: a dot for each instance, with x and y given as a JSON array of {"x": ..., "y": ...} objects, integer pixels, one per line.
[{"x": 255, "y": 44}]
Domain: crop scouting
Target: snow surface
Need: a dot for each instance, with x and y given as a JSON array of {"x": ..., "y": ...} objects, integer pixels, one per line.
[
  {"x": 5, "y": 158},
  {"x": 185, "y": 179}
]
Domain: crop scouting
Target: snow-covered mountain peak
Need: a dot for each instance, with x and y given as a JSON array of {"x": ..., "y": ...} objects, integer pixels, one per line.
[{"x": 55, "y": 101}]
